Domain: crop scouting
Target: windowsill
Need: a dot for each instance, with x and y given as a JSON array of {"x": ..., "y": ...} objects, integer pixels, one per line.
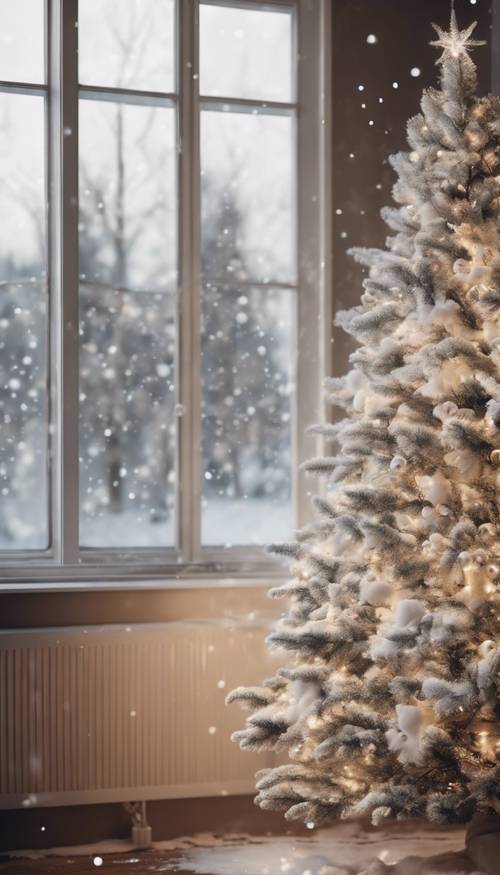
[
  {"x": 106, "y": 571},
  {"x": 205, "y": 582}
]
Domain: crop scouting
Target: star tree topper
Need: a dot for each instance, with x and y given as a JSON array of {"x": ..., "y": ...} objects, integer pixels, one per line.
[{"x": 455, "y": 42}]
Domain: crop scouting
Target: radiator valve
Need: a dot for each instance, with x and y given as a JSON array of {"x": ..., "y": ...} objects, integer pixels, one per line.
[{"x": 141, "y": 835}]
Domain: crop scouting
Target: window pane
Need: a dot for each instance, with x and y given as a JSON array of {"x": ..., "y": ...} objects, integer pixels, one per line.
[
  {"x": 248, "y": 384},
  {"x": 22, "y": 37},
  {"x": 127, "y": 44},
  {"x": 127, "y": 433},
  {"x": 246, "y": 53},
  {"x": 127, "y": 195},
  {"x": 248, "y": 197},
  {"x": 23, "y": 325},
  {"x": 127, "y": 312}
]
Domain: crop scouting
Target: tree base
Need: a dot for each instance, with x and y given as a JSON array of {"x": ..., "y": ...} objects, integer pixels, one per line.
[{"x": 482, "y": 842}]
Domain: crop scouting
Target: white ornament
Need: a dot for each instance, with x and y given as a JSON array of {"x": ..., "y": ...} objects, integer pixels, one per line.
[
  {"x": 406, "y": 740},
  {"x": 408, "y": 612},
  {"x": 495, "y": 457},
  {"x": 302, "y": 697},
  {"x": 430, "y": 518},
  {"x": 486, "y": 647},
  {"x": 478, "y": 587},
  {"x": 445, "y": 410},
  {"x": 374, "y": 592},
  {"x": 487, "y": 532},
  {"x": 467, "y": 463}
]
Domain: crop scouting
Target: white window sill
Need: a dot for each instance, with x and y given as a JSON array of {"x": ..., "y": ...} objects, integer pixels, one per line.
[{"x": 206, "y": 582}]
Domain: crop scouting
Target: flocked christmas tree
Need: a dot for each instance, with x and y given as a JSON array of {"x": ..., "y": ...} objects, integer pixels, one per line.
[{"x": 391, "y": 704}]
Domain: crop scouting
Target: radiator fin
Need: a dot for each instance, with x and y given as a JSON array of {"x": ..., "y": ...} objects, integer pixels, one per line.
[{"x": 109, "y": 713}]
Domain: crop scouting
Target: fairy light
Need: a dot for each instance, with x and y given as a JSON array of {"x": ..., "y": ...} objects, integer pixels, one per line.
[{"x": 483, "y": 741}]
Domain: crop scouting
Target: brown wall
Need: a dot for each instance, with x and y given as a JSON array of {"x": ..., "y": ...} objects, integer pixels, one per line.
[{"x": 403, "y": 30}]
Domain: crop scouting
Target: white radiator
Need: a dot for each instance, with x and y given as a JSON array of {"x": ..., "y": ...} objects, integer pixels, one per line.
[{"x": 119, "y": 713}]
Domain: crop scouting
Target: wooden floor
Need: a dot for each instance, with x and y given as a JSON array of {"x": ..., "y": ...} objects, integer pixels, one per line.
[
  {"x": 133, "y": 863},
  {"x": 343, "y": 849}
]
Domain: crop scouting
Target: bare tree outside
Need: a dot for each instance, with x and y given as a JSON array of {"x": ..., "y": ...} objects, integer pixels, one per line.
[{"x": 128, "y": 287}]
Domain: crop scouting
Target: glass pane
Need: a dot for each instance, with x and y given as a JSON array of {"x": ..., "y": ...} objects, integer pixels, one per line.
[
  {"x": 127, "y": 311},
  {"x": 248, "y": 385},
  {"x": 127, "y": 434},
  {"x": 248, "y": 197},
  {"x": 23, "y": 325},
  {"x": 246, "y": 52},
  {"x": 22, "y": 40},
  {"x": 127, "y": 44},
  {"x": 127, "y": 195}
]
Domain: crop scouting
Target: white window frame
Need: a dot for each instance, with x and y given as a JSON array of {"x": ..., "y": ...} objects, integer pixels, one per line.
[{"x": 66, "y": 564}]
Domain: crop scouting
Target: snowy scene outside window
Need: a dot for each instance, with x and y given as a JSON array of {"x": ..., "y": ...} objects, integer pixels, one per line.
[
  {"x": 127, "y": 233},
  {"x": 128, "y": 278},
  {"x": 132, "y": 416},
  {"x": 24, "y": 481},
  {"x": 248, "y": 265}
]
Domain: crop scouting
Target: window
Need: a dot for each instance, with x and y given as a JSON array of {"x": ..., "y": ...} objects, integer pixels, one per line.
[{"x": 163, "y": 280}]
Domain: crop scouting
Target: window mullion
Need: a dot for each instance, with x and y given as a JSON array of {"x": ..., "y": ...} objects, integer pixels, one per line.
[
  {"x": 63, "y": 138},
  {"x": 325, "y": 103},
  {"x": 313, "y": 221},
  {"x": 188, "y": 482}
]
